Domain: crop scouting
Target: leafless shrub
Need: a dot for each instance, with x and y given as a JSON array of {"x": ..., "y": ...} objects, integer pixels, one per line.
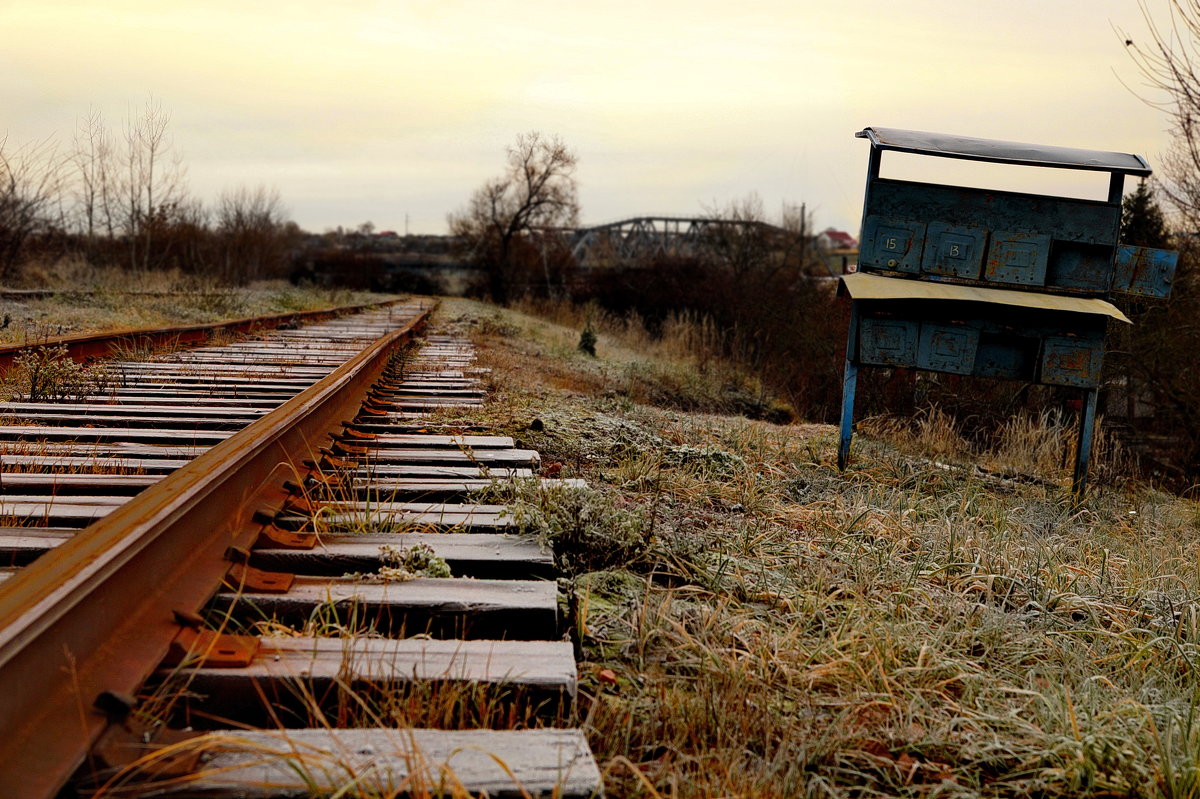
[
  {"x": 254, "y": 238},
  {"x": 31, "y": 180}
]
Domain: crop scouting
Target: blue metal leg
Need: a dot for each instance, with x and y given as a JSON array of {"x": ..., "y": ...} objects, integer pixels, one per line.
[
  {"x": 1087, "y": 423},
  {"x": 849, "y": 381}
]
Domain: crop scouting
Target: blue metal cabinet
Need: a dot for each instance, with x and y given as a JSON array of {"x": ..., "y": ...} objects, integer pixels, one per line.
[
  {"x": 1144, "y": 271},
  {"x": 954, "y": 250},
  {"x": 947, "y": 348},
  {"x": 887, "y": 342},
  {"x": 1017, "y": 257},
  {"x": 980, "y": 282},
  {"x": 893, "y": 244}
]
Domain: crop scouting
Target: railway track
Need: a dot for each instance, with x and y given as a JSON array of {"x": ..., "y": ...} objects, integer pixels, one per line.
[{"x": 209, "y": 587}]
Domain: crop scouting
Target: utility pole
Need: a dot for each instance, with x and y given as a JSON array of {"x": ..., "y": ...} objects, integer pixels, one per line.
[{"x": 803, "y": 232}]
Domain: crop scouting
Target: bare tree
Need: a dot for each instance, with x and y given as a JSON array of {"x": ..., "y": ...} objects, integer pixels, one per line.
[
  {"x": 153, "y": 182},
  {"x": 92, "y": 159},
  {"x": 537, "y": 191},
  {"x": 739, "y": 239},
  {"x": 31, "y": 180},
  {"x": 253, "y": 232},
  {"x": 1169, "y": 61},
  {"x": 1154, "y": 354}
]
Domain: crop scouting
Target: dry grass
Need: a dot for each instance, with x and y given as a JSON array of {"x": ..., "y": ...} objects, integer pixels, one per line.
[
  {"x": 680, "y": 369},
  {"x": 96, "y": 300},
  {"x": 782, "y": 629},
  {"x": 903, "y": 629},
  {"x": 1040, "y": 446},
  {"x": 684, "y": 336}
]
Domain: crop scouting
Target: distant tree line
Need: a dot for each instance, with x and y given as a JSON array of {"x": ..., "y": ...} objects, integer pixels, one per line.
[
  {"x": 758, "y": 283},
  {"x": 120, "y": 198},
  {"x": 1152, "y": 360}
]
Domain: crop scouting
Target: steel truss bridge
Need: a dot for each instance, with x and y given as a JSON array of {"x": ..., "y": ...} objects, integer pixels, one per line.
[{"x": 650, "y": 236}]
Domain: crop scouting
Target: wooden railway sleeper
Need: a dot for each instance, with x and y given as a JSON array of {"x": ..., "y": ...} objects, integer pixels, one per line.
[
  {"x": 340, "y": 448},
  {"x": 374, "y": 404}
]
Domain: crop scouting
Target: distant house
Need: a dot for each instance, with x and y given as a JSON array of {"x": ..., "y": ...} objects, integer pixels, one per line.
[
  {"x": 839, "y": 251},
  {"x": 834, "y": 240}
]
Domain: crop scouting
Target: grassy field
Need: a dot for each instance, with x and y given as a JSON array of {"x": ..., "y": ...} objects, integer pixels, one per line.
[
  {"x": 95, "y": 300},
  {"x": 754, "y": 623}
]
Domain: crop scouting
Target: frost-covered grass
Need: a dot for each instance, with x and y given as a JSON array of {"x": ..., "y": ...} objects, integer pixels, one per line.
[{"x": 907, "y": 628}]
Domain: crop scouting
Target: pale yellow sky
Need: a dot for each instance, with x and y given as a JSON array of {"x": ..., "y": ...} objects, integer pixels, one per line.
[{"x": 375, "y": 110}]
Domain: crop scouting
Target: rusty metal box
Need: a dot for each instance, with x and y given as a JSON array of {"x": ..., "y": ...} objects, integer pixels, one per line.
[
  {"x": 887, "y": 342},
  {"x": 954, "y": 250},
  {"x": 1144, "y": 271},
  {"x": 1017, "y": 257},
  {"x": 980, "y": 281},
  {"x": 947, "y": 348},
  {"x": 1072, "y": 360},
  {"x": 892, "y": 243}
]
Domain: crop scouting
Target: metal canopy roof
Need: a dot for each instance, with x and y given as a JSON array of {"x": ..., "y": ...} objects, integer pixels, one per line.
[
  {"x": 863, "y": 286},
  {"x": 1003, "y": 152}
]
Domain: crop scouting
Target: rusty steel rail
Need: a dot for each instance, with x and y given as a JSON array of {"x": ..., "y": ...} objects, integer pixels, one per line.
[
  {"x": 92, "y": 619},
  {"x": 91, "y": 346}
]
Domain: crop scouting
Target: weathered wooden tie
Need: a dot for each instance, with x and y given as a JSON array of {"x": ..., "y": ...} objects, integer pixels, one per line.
[{"x": 492, "y": 627}]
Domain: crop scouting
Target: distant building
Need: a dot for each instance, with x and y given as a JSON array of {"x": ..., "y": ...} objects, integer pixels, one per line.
[
  {"x": 833, "y": 240},
  {"x": 839, "y": 251}
]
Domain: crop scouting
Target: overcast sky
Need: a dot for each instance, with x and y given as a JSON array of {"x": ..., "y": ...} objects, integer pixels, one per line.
[{"x": 373, "y": 111}]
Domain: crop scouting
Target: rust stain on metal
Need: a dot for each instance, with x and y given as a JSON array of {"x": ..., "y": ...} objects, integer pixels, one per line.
[
  {"x": 213, "y": 650},
  {"x": 247, "y": 578},
  {"x": 272, "y": 537}
]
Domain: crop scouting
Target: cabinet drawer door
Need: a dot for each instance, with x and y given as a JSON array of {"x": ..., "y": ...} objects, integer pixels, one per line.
[
  {"x": 1017, "y": 258},
  {"x": 887, "y": 342},
  {"x": 1144, "y": 271},
  {"x": 953, "y": 250},
  {"x": 1010, "y": 357},
  {"x": 1072, "y": 361},
  {"x": 892, "y": 244},
  {"x": 947, "y": 348}
]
